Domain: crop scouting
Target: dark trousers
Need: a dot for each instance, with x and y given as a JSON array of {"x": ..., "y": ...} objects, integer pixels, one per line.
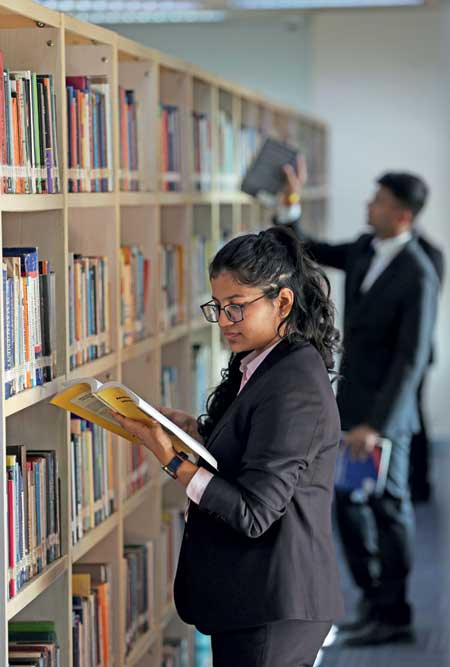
[
  {"x": 378, "y": 539},
  {"x": 280, "y": 644},
  {"x": 420, "y": 454}
]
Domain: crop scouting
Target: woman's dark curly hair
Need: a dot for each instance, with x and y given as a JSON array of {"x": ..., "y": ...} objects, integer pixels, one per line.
[{"x": 271, "y": 260}]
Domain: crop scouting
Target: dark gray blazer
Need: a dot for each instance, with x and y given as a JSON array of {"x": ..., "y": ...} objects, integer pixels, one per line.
[
  {"x": 387, "y": 334},
  {"x": 259, "y": 546}
]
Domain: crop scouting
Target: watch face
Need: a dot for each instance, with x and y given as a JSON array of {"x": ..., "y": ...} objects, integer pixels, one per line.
[{"x": 174, "y": 464}]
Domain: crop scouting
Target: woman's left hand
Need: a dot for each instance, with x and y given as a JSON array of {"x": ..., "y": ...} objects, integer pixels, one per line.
[{"x": 152, "y": 436}]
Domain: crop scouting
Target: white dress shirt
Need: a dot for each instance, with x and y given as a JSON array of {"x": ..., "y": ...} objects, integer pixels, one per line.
[{"x": 385, "y": 251}]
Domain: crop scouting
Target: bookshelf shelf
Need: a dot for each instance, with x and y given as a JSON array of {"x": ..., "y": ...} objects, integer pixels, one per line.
[
  {"x": 141, "y": 648},
  {"x": 94, "y": 537},
  {"x": 139, "y": 349},
  {"x": 31, "y": 397},
  {"x": 138, "y": 199},
  {"x": 102, "y": 365},
  {"x": 137, "y": 499},
  {"x": 91, "y": 199},
  {"x": 36, "y": 586},
  {"x": 32, "y": 202},
  {"x": 174, "y": 333},
  {"x": 133, "y": 252}
]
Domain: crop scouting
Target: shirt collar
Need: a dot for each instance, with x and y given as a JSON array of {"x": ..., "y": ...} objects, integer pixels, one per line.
[
  {"x": 252, "y": 360},
  {"x": 386, "y": 246}
]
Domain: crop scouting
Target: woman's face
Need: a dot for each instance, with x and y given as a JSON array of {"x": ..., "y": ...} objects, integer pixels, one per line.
[{"x": 259, "y": 328}]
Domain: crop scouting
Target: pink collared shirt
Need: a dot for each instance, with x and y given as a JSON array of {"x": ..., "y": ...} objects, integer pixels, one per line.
[{"x": 196, "y": 487}]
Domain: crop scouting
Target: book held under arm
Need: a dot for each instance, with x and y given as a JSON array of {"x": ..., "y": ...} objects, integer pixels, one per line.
[
  {"x": 368, "y": 476},
  {"x": 90, "y": 399}
]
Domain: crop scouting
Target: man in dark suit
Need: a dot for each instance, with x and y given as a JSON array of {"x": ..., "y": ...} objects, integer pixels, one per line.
[{"x": 390, "y": 304}]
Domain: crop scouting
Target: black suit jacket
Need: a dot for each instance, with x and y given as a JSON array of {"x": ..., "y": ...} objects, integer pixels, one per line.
[
  {"x": 259, "y": 546},
  {"x": 387, "y": 334}
]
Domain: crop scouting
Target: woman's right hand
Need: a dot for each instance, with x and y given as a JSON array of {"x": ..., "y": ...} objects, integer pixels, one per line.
[{"x": 183, "y": 420}]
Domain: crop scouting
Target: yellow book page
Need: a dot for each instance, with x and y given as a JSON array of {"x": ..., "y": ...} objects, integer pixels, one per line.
[
  {"x": 120, "y": 401},
  {"x": 80, "y": 400}
]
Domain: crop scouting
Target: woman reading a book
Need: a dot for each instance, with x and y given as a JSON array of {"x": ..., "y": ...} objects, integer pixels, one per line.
[{"x": 257, "y": 567}]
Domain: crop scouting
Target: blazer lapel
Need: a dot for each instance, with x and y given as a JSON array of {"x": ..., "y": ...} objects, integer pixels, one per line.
[
  {"x": 280, "y": 351},
  {"x": 385, "y": 280}
]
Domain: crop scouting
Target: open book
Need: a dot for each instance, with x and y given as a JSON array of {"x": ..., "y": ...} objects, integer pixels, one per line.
[
  {"x": 367, "y": 476},
  {"x": 91, "y": 400}
]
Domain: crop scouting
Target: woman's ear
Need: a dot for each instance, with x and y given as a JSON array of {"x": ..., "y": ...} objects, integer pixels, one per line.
[{"x": 285, "y": 301}]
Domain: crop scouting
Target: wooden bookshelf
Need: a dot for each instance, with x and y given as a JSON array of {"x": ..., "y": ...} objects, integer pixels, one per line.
[{"x": 35, "y": 38}]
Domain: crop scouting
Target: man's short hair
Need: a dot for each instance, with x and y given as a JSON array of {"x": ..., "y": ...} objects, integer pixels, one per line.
[{"x": 410, "y": 190}]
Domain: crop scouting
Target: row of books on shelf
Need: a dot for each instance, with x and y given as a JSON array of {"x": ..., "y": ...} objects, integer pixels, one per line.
[
  {"x": 28, "y": 133},
  {"x": 29, "y": 139},
  {"x": 29, "y": 305},
  {"x": 250, "y": 140},
  {"x": 227, "y": 177},
  {"x": 172, "y": 527},
  {"x": 33, "y": 644},
  {"x": 29, "y": 319},
  {"x": 89, "y": 300},
  {"x": 200, "y": 376},
  {"x": 129, "y": 177},
  {"x": 89, "y": 122},
  {"x": 172, "y": 269},
  {"x": 202, "y": 251},
  {"x": 140, "y": 581},
  {"x": 134, "y": 286},
  {"x": 202, "y": 146},
  {"x": 92, "y": 615},
  {"x": 170, "y": 148},
  {"x": 33, "y": 513},
  {"x": 92, "y": 479},
  {"x": 137, "y": 470}
]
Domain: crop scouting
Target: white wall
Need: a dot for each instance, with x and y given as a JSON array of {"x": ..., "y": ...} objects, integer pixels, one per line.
[
  {"x": 381, "y": 79},
  {"x": 263, "y": 55}
]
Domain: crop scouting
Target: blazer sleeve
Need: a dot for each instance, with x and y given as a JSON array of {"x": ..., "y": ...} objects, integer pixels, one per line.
[
  {"x": 282, "y": 442},
  {"x": 411, "y": 355},
  {"x": 334, "y": 255}
]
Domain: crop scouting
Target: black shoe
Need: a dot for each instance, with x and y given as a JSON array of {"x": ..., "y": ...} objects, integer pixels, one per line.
[
  {"x": 377, "y": 632},
  {"x": 365, "y": 615}
]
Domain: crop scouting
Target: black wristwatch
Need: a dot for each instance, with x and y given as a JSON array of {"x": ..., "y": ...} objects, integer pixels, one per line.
[{"x": 173, "y": 465}]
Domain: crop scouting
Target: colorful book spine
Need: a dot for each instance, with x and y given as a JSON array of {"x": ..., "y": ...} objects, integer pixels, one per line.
[
  {"x": 92, "y": 482},
  {"x": 28, "y": 133},
  {"x": 170, "y": 148},
  {"x": 89, "y": 123},
  {"x": 29, "y": 308},
  {"x": 202, "y": 145},
  {"x": 129, "y": 141},
  {"x": 33, "y": 513},
  {"x": 139, "y": 568},
  {"x": 227, "y": 178},
  {"x": 134, "y": 276},
  {"x": 173, "y": 304},
  {"x": 88, "y": 308}
]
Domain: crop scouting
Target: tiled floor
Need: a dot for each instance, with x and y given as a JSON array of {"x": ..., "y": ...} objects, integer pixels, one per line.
[{"x": 430, "y": 589}]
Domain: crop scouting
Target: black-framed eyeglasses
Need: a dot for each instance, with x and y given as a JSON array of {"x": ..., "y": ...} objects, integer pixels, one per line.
[{"x": 234, "y": 311}]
